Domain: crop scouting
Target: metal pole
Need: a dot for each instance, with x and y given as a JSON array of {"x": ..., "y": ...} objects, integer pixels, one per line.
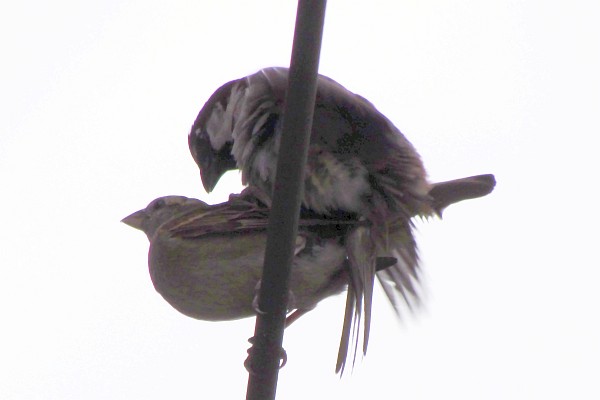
[{"x": 265, "y": 354}]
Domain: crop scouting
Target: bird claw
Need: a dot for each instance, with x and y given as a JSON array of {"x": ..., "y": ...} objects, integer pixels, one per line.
[
  {"x": 253, "y": 192},
  {"x": 252, "y": 370},
  {"x": 255, "y": 300},
  {"x": 282, "y": 358},
  {"x": 256, "y": 307}
]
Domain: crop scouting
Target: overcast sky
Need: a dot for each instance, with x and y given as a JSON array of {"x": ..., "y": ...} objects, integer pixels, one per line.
[{"x": 97, "y": 99}]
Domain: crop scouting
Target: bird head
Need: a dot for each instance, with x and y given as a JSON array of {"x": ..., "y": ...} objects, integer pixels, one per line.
[
  {"x": 213, "y": 162},
  {"x": 160, "y": 211},
  {"x": 211, "y": 137}
]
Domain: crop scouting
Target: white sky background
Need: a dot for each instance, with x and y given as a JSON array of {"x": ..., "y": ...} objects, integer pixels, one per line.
[{"x": 97, "y": 99}]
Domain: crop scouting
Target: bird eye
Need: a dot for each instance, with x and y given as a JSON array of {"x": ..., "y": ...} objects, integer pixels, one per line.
[{"x": 158, "y": 204}]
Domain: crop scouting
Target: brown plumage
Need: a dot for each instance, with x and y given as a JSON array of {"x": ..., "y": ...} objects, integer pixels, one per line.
[
  {"x": 358, "y": 163},
  {"x": 206, "y": 260}
]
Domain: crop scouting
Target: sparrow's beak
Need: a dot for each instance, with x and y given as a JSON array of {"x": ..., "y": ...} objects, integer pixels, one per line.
[
  {"x": 213, "y": 164},
  {"x": 136, "y": 219},
  {"x": 210, "y": 173}
]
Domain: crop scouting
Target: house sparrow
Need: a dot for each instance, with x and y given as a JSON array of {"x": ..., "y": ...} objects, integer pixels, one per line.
[
  {"x": 206, "y": 260},
  {"x": 358, "y": 160},
  {"x": 358, "y": 163}
]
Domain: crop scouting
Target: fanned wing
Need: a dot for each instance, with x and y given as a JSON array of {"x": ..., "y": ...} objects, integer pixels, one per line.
[
  {"x": 350, "y": 326},
  {"x": 359, "y": 303},
  {"x": 397, "y": 274},
  {"x": 400, "y": 281}
]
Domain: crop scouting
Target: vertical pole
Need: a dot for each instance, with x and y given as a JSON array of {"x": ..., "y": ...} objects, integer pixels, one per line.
[{"x": 265, "y": 354}]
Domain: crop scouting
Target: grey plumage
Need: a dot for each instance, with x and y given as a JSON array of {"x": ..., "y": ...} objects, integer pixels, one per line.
[{"x": 206, "y": 260}]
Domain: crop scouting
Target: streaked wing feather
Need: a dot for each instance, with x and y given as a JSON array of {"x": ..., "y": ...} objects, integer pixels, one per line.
[
  {"x": 351, "y": 316},
  {"x": 401, "y": 279},
  {"x": 242, "y": 213},
  {"x": 361, "y": 257}
]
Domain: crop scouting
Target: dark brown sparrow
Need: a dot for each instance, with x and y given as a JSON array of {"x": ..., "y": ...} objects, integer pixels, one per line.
[{"x": 358, "y": 163}]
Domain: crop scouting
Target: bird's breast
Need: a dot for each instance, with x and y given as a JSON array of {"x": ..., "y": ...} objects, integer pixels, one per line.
[
  {"x": 214, "y": 277},
  {"x": 210, "y": 278}
]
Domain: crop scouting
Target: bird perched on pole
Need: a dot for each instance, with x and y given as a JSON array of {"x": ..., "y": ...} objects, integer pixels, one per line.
[
  {"x": 358, "y": 163},
  {"x": 206, "y": 260}
]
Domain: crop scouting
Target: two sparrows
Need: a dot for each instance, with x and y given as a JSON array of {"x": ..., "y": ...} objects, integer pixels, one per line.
[{"x": 364, "y": 182}]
